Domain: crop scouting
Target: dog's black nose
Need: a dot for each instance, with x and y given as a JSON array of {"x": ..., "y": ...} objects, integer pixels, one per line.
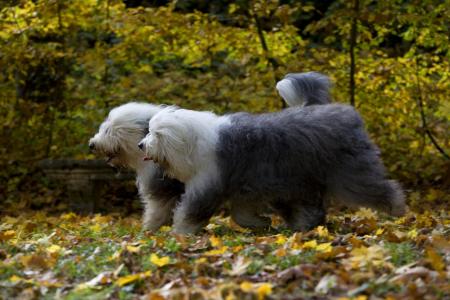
[
  {"x": 141, "y": 145},
  {"x": 91, "y": 146}
]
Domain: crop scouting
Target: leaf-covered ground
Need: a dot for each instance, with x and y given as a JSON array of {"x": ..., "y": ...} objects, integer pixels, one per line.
[{"x": 356, "y": 256}]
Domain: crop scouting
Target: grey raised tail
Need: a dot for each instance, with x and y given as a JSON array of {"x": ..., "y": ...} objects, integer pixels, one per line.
[{"x": 309, "y": 88}]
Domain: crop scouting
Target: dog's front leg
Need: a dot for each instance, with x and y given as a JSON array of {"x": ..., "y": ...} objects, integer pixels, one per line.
[
  {"x": 157, "y": 212},
  {"x": 197, "y": 204}
]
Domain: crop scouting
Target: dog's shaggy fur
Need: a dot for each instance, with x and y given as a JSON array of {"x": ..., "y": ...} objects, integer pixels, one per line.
[
  {"x": 295, "y": 161},
  {"x": 127, "y": 124},
  {"x": 117, "y": 139},
  {"x": 309, "y": 88}
]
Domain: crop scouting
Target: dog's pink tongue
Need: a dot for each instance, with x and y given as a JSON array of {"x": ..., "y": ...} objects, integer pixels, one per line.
[{"x": 146, "y": 158}]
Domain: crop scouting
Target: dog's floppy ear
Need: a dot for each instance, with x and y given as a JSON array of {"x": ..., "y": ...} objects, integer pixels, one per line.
[{"x": 177, "y": 142}]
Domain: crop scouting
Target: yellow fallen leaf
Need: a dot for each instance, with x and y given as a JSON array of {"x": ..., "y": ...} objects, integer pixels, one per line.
[
  {"x": 324, "y": 247},
  {"x": 366, "y": 213},
  {"x": 201, "y": 260},
  {"x": 366, "y": 256},
  {"x": 412, "y": 234},
  {"x": 264, "y": 290},
  {"x": 7, "y": 235},
  {"x": 246, "y": 286},
  {"x": 133, "y": 249},
  {"x": 379, "y": 231},
  {"x": 54, "y": 249},
  {"x": 218, "y": 251},
  {"x": 101, "y": 219},
  {"x": 322, "y": 232},
  {"x": 435, "y": 259},
  {"x": 131, "y": 278},
  {"x": 281, "y": 252},
  {"x": 96, "y": 228},
  {"x": 215, "y": 241},
  {"x": 10, "y": 220},
  {"x": 35, "y": 261},
  {"x": 159, "y": 261},
  {"x": 310, "y": 244},
  {"x": 165, "y": 228},
  {"x": 68, "y": 216},
  {"x": 281, "y": 239},
  {"x": 237, "y": 248},
  {"x": 15, "y": 278},
  {"x": 116, "y": 255}
]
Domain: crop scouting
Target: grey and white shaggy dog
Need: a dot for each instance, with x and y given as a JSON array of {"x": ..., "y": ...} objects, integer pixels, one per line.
[
  {"x": 127, "y": 124},
  {"x": 295, "y": 161},
  {"x": 116, "y": 139}
]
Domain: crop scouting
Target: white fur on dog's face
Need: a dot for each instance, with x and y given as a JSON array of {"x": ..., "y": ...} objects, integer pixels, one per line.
[
  {"x": 182, "y": 141},
  {"x": 119, "y": 134}
]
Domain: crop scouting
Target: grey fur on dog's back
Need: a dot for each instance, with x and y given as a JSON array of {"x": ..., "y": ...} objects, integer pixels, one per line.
[{"x": 299, "y": 157}]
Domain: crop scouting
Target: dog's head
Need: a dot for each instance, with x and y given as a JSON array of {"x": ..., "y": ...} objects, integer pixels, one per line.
[
  {"x": 118, "y": 135},
  {"x": 170, "y": 142}
]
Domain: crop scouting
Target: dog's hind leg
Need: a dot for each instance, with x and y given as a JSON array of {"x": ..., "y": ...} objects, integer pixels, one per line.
[
  {"x": 303, "y": 217},
  {"x": 362, "y": 182},
  {"x": 246, "y": 213},
  {"x": 303, "y": 210}
]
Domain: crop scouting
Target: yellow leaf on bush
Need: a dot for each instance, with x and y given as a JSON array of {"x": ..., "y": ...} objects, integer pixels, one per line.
[{"x": 159, "y": 261}]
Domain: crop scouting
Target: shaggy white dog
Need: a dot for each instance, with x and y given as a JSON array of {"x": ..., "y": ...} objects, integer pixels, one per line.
[
  {"x": 116, "y": 139},
  {"x": 294, "y": 161}
]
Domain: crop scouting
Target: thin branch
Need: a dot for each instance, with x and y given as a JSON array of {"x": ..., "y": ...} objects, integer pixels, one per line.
[
  {"x": 422, "y": 115},
  {"x": 353, "y": 36},
  {"x": 272, "y": 61}
]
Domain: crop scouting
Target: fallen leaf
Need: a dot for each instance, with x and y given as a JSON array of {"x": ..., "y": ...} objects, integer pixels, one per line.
[
  {"x": 159, "y": 261},
  {"x": 264, "y": 290},
  {"x": 435, "y": 259},
  {"x": 133, "y": 277},
  {"x": 218, "y": 251}
]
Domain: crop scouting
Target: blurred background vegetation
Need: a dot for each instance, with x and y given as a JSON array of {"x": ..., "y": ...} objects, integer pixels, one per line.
[{"x": 66, "y": 63}]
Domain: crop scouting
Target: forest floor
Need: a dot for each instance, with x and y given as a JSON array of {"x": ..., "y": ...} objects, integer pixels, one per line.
[{"x": 359, "y": 255}]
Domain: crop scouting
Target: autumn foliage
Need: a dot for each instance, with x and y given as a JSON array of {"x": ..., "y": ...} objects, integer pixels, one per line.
[{"x": 65, "y": 64}]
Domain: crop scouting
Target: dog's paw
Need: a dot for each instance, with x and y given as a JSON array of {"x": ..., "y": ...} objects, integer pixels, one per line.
[{"x": 186, "y": 228}]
